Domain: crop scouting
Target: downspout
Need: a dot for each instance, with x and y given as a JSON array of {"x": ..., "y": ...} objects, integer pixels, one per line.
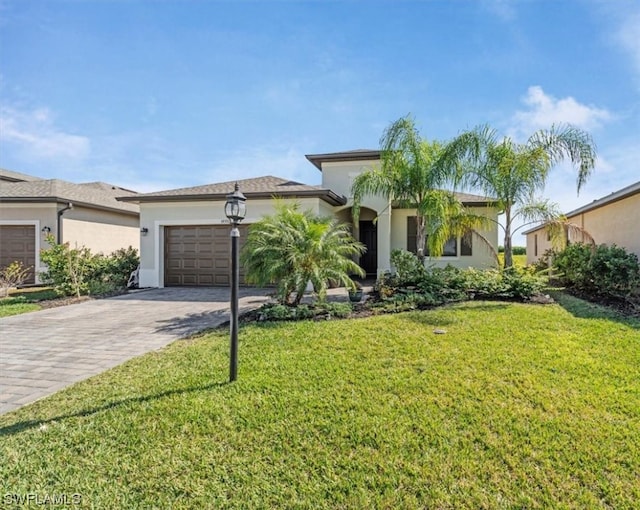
[{"x": 59, "y": 226}]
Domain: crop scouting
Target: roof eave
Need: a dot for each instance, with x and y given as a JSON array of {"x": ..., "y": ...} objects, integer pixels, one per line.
[
  {"x": 61, "y": 200},
  {"x": 326, "y": 195},
  {"x": 317, "y": 159}
]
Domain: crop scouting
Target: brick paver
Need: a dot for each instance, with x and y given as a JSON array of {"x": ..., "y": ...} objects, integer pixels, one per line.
[{"x": 45, "y": 351}]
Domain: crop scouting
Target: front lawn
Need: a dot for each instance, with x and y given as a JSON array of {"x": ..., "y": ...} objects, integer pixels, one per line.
[
  {"x": 25, "y": 300},
  {"x": 514, "y": 406}
]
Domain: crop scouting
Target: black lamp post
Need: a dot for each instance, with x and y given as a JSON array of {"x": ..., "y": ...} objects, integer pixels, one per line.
[{"x": 235, "y": 209}]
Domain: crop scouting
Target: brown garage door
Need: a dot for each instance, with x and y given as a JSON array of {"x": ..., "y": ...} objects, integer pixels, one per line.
[
  {"x": 199, "y": 255},
  {"x": 18, "y": 242}
]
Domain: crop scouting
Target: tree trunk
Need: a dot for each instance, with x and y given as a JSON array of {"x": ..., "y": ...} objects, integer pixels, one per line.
[
  {"x": 508, "y": 256},
  {"x": 421, "y": 237}
]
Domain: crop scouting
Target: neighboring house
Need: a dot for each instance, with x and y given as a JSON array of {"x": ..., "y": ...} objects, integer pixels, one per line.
[
  {"x": 186, "y": 234},
  {"x": 81, "y": 214},
  {"x": 614, "y": 219}
]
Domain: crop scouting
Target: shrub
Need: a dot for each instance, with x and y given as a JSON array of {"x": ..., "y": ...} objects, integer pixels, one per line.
[
  {"x": 438, "y": 286},
  {"x": 12, "y": 276},
  {"x": 608, "y": 271},
  {"x": 409, "y": 269},
  {"x": 76, "y": 271},
  {"x": 280, "y": 312},
  {"x": 68, "y": 269}
]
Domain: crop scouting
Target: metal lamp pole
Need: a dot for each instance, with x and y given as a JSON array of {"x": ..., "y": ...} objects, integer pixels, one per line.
[{"x": 235, "y": 210}]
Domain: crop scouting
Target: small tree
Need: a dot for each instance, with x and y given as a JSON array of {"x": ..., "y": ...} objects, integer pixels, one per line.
[
  {"x": 68, "y": 269},
  {"x": 420, "y": 173},
  {"x": 11, "y": 276},
  {"x": 515, "y": 173},
  {"x": 292, "y": 248}
]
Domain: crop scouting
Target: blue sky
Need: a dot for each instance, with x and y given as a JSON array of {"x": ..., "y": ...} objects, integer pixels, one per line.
[{"x": 163, "y": 94}]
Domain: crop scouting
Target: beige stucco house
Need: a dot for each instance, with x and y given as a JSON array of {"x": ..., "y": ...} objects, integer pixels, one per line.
[
  {"x": 614, "y": 219},
  {"x": 85, "y": 214},
  {"x": 186, "y": 234}
]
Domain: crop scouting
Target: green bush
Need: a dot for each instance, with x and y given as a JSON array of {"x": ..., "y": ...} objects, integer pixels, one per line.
[
  {"x": 608, "y": 271},
  {"x": 280, "y": 312},
  {"x": 76, "y": 271},
  {"x": 409, "y": 269},
  {"x": 12, "y": 276},
  {"x": 414, "y": 287}
]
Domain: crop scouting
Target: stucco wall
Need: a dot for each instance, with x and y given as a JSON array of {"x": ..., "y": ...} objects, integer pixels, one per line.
[
  {"x": 100, "y": 231},
  {"x": 481, "y": 256},
  {"x": 155, "y": 216},
  {"x": 339, "y": 176},
  {"x": 614, "y": 223}
]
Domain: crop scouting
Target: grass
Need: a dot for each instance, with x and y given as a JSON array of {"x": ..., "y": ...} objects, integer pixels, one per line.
[
  {"x": 516, "y": 406},
  {"x": 518, "y": 260},
  {"x": 16, "y": 305},
  {"x": 25, "y": 300}
]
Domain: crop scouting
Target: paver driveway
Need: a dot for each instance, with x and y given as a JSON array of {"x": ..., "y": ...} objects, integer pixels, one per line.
[{"x": 42, "y": 352}]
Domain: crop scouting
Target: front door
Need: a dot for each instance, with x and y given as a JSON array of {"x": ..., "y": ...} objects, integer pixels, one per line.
[{"x": 369, "y": 237}]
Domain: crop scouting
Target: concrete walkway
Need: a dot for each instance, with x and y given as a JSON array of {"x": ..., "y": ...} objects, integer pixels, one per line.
[{"x": 45, "y": 351}]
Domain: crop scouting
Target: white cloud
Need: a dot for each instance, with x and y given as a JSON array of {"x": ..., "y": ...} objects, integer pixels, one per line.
[
  {"x": 35, "y": 136},
  {"x": 545, "y": 110}
]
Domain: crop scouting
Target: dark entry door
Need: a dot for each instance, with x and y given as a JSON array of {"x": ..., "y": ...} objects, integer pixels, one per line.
[{"x": 369, "y": 237}]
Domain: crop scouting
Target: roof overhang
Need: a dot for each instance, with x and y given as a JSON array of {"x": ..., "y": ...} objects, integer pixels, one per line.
[
  {"x": 59, "y": 200},
  {"x": 324, "y": 194},
  {"x": 335, "y": 157}
]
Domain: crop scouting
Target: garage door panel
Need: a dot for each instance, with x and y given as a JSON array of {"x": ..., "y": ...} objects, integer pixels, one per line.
[
  {"x": 199, "y": 255},
  {"x": 18, "y": 243}
]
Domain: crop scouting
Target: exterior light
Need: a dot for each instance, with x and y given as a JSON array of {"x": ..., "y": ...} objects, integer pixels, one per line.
[
  {"x": 235, "y": 209},
  {"x": 144, "y": 231},
  {"x": 46, "y": 230}
]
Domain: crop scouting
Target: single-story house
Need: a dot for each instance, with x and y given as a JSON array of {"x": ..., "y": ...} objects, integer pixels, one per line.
[
  {"x": 186, "y": 234},
  {"x": 85, "y": 214},
  {"x": 614, "y": 219}
]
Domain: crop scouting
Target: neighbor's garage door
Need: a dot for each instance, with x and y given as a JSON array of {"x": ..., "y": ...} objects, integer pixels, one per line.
[
  {"x": 18, "y": 242},
  {"x": 199, "y": 255}
]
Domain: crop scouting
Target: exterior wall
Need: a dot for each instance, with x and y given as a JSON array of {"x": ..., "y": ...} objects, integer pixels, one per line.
[
  {"x": 100, "y": 231},
  {"x": 614, "y": 223},
  {"x": 338, "y": 176},
  {"x": 39, "y": 215},
  {"x": 538, "y": 242},
  {"x": 155, "y": 216},
  {"x": 481, "y": 257}
]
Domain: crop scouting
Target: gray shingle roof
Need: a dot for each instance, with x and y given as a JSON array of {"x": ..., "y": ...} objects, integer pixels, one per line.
[
  {"x": 257, "y": 187},
  {"x": 99, "y": 195},
  {"x": 10, "y": 176}
]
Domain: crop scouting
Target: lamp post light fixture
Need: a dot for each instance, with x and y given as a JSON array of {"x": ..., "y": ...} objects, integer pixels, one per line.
[{"x": 235, "y": 209}]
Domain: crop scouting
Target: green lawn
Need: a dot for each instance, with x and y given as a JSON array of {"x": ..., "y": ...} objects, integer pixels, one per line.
[
  {"x": 25, "y": 300},
  {"x": 516, "y": 406},
  {"x": 518, "y": 260}
]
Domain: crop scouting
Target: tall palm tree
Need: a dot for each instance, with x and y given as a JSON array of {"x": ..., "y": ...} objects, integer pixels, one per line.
[
  {"x": 416, "y": 173},
  {"x": 292, "y": 248},
  {"x": 515, "y": 174}
]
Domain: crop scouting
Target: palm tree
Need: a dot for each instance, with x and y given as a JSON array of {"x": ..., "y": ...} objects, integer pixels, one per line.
[
  {"x": 292, "y": 248},
  {"x": 415, "y": 173},
  {"x": 516, "y": 173}
]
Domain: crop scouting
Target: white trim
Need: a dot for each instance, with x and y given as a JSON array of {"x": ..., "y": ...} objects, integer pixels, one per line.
[{"x": 36, "y": 223}]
